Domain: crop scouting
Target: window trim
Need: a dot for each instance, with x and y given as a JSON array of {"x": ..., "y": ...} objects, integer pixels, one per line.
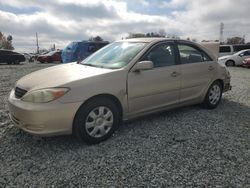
[
  {"x": 193, "y": 46},
  {"x": 176, "y": 62}
]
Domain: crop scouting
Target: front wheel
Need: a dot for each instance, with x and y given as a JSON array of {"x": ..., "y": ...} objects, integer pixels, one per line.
[
  {"x": 96, "y": 120},
  {"x": 213, "y": 96},
  {"x": 16, "y": 62}
]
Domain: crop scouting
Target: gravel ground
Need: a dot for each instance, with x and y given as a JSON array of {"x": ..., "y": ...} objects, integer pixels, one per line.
[{"x": 186, "y": 147}]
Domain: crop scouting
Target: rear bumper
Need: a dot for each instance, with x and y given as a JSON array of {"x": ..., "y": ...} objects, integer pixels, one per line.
[{"x": 44, "y": 119}]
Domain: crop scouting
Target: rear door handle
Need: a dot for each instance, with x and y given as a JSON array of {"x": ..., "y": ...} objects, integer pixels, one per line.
[
  {"x": 174, "y": 74},
  {"x": 210, "y": 68}
]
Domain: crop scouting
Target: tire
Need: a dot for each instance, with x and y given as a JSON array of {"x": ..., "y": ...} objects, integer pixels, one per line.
[
  {"x": 213, "y": 96},
  {"x": 90, "y": 124},
  {"x": 16, "y": 62},
  {"x": 230, "y": 63}
]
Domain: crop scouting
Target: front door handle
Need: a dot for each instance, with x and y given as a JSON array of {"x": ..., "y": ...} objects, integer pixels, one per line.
[
  {"x": 210, "y": 68},
  {"x": 174, "y": 74}
]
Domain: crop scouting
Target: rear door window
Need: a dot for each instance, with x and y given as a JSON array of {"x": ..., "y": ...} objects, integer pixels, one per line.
[{"x": 192, "y": 54}]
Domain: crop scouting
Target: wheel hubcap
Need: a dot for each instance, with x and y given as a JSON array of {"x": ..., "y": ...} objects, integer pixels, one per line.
[
  {"x": 99, "y": 121},
  {"x": 214, "y": 94}
]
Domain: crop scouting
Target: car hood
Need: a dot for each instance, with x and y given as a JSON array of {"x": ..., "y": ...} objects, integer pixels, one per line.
[{"x": 59, "y": 75}]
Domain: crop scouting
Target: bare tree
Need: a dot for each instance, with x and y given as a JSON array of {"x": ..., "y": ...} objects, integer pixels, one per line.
[
  {"x": 135, "y": 35},
  {"x": 97, "y": 38},
  {"x": 236, "y": 40},
  {"x": 162, "y": 33},
  {"x": 6, "y": 42}
]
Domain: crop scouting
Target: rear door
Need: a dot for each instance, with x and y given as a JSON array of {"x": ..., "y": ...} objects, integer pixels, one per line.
[
  {"x": 197, "y": 70},
  {"x": 158, "y": 87}
]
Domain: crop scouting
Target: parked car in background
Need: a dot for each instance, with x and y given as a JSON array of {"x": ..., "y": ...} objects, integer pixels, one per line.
[
  {"x": 53, "y": 56},
  {"x": 10, "y": 57},
  {"x": 124, "y": 80},
  {"x": 231, "y": 49},
  {"x": 77, "y": 51},
  {"x": 28, "y": 57},
  {"x": 236, "y": 59},
  {"x": 246, "y": 63}
]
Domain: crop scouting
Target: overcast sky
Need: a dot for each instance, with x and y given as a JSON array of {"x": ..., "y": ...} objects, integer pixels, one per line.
[{"x": 61, "y": 21}]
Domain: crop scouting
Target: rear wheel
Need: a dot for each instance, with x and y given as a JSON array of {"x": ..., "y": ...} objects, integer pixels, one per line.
[
  {"x": 96, "y": 120},
  {"x": 213, "y": 96},
  {"x": 230, "y": 63}
]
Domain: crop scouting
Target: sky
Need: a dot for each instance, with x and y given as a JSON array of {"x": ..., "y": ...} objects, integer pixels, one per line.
[{"x": 62, "y": 21}]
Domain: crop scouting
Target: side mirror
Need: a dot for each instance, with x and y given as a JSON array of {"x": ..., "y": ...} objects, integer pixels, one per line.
[{"x": 143, "y": 65}]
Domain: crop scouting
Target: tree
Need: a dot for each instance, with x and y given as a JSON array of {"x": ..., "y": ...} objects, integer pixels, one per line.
[
  {"x": 135, "y": 35},
  {"x": 162, "y": 33},
  {"x": 236, "y": 40},
  {"x": 6, "y": 42},
  {"x": 194, "y": 40},
  {"x": 97, "y": 38}
]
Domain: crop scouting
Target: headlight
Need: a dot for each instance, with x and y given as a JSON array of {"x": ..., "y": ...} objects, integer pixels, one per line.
[{"x": 44, "y": 95}]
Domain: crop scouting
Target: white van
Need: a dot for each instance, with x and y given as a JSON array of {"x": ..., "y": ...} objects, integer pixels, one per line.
[{"x": 226, "y": 50}]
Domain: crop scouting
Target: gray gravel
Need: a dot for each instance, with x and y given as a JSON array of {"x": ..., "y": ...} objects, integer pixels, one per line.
[{"x": 186, "y": 147}]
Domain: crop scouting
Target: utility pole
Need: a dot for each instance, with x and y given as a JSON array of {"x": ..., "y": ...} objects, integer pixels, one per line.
[
  {"x": 37, "y": 46},
  {"x": 243, "y": 39},
  {"x": 221, "y": 32}
]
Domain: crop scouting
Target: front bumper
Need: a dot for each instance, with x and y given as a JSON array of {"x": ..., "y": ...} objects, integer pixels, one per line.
[{"x": 44, "y": 119}]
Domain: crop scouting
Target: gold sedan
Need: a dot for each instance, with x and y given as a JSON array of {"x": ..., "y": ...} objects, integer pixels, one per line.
[{"x": 123, "y": 80}]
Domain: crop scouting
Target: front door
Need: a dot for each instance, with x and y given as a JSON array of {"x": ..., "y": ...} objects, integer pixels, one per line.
[{"x": 158, "y": 87}]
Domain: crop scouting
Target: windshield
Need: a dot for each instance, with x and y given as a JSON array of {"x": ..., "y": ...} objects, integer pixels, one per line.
[{"x": 115, "y": 55}]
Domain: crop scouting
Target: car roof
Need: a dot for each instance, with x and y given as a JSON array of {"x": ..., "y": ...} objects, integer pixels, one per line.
[
  {"x": 6, "y": 50},
  {"x": 86, "y": 41},
  {"x": 148, "y": 39},
  {"x": 244, "y": 50}
]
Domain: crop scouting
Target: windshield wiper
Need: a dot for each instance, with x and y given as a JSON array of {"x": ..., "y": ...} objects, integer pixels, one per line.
[
  {"x": 92, "y": 65},
  {"x": 88, "y": 64}
]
